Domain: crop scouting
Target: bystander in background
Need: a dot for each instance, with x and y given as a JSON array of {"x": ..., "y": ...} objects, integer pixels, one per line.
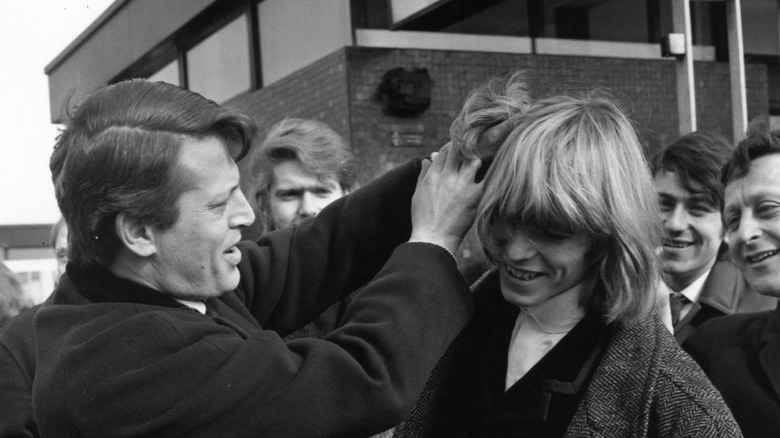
[
  {"x": 13, "y": 299},
  {"x": 703, "y": 280},
  {"x": 300, "y": 168}
]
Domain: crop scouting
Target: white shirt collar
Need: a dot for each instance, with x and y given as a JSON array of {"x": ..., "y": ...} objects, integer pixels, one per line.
[
  {"x": 200, "y": 306},
  {"x": 693, "y": 291},
  {"x": 538, "y": 329}
]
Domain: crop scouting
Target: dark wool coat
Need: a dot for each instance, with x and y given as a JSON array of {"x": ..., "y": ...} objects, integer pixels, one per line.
[
  {"x": 17, "y": 369},
  {"x": 643, "y": 385},
  {"x": 724, "y": 292},
  {"x": 741, "y": 354},
  {"x": 114, "y": 358}
]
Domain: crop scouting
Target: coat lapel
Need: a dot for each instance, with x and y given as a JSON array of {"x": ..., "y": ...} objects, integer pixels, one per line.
[{"x": 722, "y": 288}]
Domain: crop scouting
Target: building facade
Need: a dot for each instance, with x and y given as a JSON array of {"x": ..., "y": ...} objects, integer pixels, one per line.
[{"x": 391, "y": 75}]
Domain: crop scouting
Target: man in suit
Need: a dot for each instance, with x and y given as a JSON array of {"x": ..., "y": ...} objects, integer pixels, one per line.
[
  {"x": 741, "y": 353},
  {"x": 165, "y": 325},
  {"x": 704, "y": 283}
]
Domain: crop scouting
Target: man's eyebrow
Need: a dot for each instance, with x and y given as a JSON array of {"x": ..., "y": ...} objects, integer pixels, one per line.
[
  {"x": 224, "y": 194},
  {"x": 290, "y": 190},
  {"x": 702, "y": 196}
]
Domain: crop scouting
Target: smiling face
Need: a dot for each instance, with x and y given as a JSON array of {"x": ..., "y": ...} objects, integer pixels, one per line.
[
  {"x": 752, "y": 218},
  {"x": 296, "y": 194},
  {"x": 533, "y": 269},
  {"x": 196, "y": 258},
  {"x": 694, "y": 230}
]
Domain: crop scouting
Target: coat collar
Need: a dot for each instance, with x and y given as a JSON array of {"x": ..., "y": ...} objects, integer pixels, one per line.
[
  {"x": 98, "y": 285},
  {"x": 631, "y": 361},
  {"x": 723, "y": 287}
]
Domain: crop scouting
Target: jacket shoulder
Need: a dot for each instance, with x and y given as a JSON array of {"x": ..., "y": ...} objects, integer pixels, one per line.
[
  {"x": 720, "y": 333},
  {"x": 686, "y": 402},
  {"x": 646, "y": 382}
]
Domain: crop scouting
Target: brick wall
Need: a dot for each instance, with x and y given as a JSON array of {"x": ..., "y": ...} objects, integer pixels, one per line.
[
  {"x": 647, "y": 87},
  {"x": 341, "y": 90}
]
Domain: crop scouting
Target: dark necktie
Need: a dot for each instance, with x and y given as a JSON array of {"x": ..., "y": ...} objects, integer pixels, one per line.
[{"x": 676, "y": 302}]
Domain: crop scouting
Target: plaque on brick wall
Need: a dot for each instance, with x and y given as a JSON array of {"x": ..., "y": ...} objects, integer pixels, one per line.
[{"x": 400, "y": 139}]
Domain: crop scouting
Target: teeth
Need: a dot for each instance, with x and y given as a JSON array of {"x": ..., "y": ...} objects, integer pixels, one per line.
[
  {"x": 522, "y": 275},
  {"x": 671, "y": 244},
  {"x": 758, "y": 257}
]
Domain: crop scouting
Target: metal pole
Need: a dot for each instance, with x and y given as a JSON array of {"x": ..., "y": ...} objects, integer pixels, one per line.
[
  {"x": 686, "y": 91},
  {"x": 736, "y": 69}
]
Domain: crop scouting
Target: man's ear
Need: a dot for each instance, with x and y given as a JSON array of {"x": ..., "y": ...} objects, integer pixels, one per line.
[{"x": 136, "y": 236}]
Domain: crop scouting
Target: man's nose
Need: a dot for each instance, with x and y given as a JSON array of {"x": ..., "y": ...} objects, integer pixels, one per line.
[
  {"x": 677, "y": 219},
  {"x": 749, "y": 229},
  {"x": 309, "y": 205},
  {"x": 243, "y": 215},
  {"x": 520, "y": 247}
]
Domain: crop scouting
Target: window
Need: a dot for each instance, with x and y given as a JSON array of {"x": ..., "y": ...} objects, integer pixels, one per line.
[
  {"x": 505, "y": 18},
  {"x": 218, "y": 67},
  {"x": 169, "y": 74}
]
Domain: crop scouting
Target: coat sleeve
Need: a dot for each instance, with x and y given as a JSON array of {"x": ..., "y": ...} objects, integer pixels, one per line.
[
  {"x": 127, "y": 370},
  {"x": 290, "y": 276}
]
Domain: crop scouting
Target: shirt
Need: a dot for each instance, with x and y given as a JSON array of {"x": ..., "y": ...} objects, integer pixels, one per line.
[{"x": 538, "y": 329}]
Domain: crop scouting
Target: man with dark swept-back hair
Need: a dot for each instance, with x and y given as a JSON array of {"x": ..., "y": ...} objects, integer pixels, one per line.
[
  {"x": 101, "y": 178},
  {"x": 703, "y": 280},
  {"x": 165, "y": 325}
]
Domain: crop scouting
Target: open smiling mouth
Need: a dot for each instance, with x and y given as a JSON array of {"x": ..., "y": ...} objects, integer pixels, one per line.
[
  {"x": 755, "y": 258},
  {"x": 521, "y": 274},
  {"x": 677, "y": 244}
]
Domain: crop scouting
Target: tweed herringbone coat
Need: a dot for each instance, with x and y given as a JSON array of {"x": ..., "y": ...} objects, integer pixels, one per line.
[{"x": 643, "y": 386}]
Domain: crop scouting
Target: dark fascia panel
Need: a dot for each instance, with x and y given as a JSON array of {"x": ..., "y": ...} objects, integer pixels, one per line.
[
  {"x": 444, "y": 14},
  {"x": 128, "y": 30}
]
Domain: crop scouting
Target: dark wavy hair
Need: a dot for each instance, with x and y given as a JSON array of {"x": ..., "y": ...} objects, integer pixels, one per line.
[
  {"x": 119, "y": 152},
  {"x": 696, "y": 159},
  {"x": 760, "y": 140}
]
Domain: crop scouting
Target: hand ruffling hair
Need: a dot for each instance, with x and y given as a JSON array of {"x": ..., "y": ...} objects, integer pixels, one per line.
[{"x": 499, "y": 101}]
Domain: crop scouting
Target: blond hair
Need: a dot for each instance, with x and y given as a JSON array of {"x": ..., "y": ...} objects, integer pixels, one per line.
[{"x": 573, "y": 164}]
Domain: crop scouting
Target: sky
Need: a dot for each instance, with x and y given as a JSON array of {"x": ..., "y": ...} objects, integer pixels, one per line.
[{"x": 35, "y": 32}]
